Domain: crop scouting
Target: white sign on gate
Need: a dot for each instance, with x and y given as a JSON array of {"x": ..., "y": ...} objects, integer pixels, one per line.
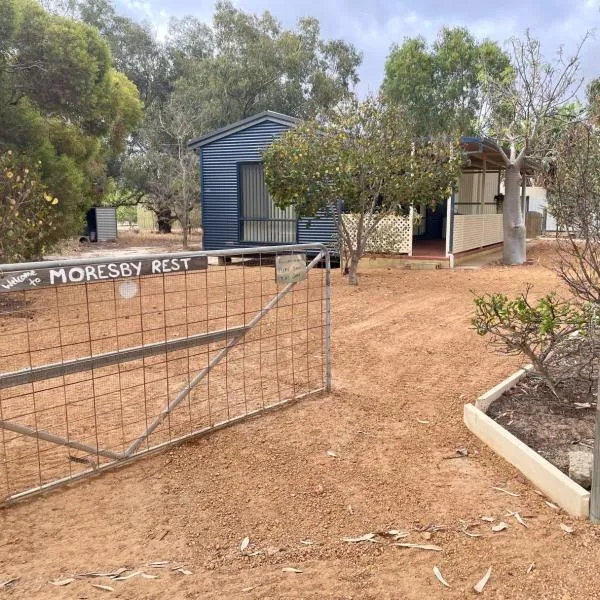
[{"x": 290, "y": 268}]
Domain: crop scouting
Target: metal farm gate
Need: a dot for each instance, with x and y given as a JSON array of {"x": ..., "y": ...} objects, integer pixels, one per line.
[{"x": 107, "y": 359}]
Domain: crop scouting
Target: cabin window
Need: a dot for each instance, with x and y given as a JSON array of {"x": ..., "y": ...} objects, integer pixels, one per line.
[{"x": 260, "y": 220}]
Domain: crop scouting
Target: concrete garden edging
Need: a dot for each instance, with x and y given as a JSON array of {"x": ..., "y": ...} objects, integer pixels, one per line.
[{"x": 560, "y": 488}]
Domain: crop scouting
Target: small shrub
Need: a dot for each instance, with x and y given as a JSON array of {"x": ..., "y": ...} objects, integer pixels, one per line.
[{"x": 533, "y": 329}]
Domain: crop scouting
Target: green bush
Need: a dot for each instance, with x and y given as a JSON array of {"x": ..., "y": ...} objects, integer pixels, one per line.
[
  {"x": 532, "y": 329},
  {"x": 28, "y": 211}
]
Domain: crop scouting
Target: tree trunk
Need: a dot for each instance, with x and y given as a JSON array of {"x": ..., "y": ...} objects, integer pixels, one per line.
[
  {"x": 186, "y": 216},
  {"x": 353, "y": 267},
  {"x": 164, "y": 223},
  {"x": 514, "y": 224}
]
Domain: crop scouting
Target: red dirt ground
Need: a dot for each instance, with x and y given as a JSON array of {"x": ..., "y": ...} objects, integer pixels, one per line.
[{"x": 403, "y": 351}]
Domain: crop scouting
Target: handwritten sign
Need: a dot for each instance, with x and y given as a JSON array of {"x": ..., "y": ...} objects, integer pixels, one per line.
[
  {"x": 290, "y": 268},
  {"x": 36, "y": 278}
]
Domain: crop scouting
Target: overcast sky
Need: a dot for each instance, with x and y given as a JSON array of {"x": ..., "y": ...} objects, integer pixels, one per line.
[{"x": 374, "y": 25}]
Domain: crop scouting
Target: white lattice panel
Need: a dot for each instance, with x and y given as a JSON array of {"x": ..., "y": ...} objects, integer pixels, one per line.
[
  {"x": 476, "y": 231},
  {"x": 393, "y": 234}
]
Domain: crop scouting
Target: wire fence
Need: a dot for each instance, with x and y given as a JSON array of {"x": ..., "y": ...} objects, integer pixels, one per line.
[{"x": 107, "y": 360}]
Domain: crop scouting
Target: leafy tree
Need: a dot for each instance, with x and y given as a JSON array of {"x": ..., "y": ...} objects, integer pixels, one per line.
[
  {"x": 62, "y": 103},
  {"x": 366, "y": 155},
  {"x": 28, "y": 212},
  {"x": 441, "y": 86},
  {"x": 523, "y": 117},
  {"x": 257, "y": 65},
  {"x": 134, "y": 48}
]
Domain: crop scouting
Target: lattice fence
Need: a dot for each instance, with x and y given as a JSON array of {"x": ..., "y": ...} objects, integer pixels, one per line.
[{"x": 393, "y": 234}]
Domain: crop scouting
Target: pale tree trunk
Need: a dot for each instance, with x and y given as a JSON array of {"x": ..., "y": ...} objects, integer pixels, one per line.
[
  {"x": 186, "y": 216},
  {"x": 353, "y": 267},
  {"x": 513, "y": 222}
]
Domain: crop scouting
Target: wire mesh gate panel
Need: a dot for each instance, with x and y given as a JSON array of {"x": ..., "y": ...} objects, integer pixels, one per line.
[{"x": 105, "y": 360}]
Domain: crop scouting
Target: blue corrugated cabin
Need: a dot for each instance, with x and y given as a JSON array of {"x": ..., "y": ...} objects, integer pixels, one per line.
[{"x": 235, "y": 202}]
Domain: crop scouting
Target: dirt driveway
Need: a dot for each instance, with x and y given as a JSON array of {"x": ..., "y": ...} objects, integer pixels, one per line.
[{"x": 405, "y": 361}]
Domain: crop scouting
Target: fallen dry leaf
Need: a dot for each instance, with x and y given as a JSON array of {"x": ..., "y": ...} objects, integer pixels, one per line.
[
  {"x": 62, "y": 582},
  {"x": 105, "y": 588},
  {"x": 488, "y": 519},
  {"x": 440, "y": 577},
  {"x": 184, "y": 571},
  {"x": 271, "y": 551},
  {"x": 423, "y": 421},
  {"x": 248, "y": 589},
  {"x": 519, "y": 519},
  {"x": 553, "y": 506},
  {"x": 102, "y": 574},
  {"x": 245, "y": 543},
  {"x": 159, "y": 564},
  {"x": 530, "y": 568},
  {"x": 126, "y": 577},
  {"x": 470, "y": 534},
  {"x": 367, "y": 537},
  {"x": 478, "y": 587},
  {"x": 507, "y": 492},
  {"x": 419, "y": 546},
  {"x": 500, "y": 527},
  {"x": 307, "y": 542},
  {"x": 291, "y": 570},
  {"x": 566, "y": 528},
  {"x": 331, "y": 453},
  {"x": 8, "y": 582},
  {"x": 580, "y": 405},
  {"x": 148, "y": 576}
]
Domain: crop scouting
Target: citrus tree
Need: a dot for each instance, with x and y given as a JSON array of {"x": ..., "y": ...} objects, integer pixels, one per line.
[
  {"x": 28, "y": 211},
  {"x": 363, "y": 159}
]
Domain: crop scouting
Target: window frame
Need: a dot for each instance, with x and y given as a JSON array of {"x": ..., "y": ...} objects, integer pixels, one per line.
[{"x": 242, "y": 219}]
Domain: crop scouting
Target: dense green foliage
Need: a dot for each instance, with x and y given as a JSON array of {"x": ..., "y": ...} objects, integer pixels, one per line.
[
  {"x": 62, "y": 104},
  {"x": 442, "y": 85},
  {"x": 532, "y": 329},
  {"x": 366, "y": 154}
]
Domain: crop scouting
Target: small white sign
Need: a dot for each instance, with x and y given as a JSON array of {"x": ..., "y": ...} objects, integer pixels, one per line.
[{"x": 290, "y": 268}]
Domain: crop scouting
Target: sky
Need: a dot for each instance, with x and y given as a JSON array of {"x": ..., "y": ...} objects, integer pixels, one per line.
[{"x": 374, "y": 25}]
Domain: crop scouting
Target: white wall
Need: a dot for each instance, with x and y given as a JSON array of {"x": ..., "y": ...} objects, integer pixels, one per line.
[
  {"x": 469, "y": 186},
  {"x": 538, "y": 202},
  {"x": 476, "y": 231}
]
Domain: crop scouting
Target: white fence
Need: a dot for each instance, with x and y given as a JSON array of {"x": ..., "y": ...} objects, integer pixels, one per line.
[
  {"x": 392, "y": 235},
  {"x": 476, "y": 231}
]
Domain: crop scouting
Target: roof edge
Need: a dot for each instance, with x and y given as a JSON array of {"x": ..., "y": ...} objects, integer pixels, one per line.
[{"x": 266, "y": 115}]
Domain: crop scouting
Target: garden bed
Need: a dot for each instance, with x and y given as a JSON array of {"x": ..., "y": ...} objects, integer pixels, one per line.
[
  {"x": 551, "y": 426},
  {"x": 536, "y": 430}
]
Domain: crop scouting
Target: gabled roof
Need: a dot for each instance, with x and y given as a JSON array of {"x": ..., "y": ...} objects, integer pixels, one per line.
[{"x": 267, "y": 115}]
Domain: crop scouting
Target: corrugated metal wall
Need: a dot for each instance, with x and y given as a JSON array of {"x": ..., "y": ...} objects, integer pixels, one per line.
[
  {"x": 106, "y": 223},
  {"x": 220, "y": 194}
]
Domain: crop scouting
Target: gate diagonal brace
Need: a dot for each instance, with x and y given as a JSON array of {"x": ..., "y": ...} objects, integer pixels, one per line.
[
  {"x": 185, "y": 391},
  {"x": 29, "y": 376},
  {"x": 57, "y": 439}
]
